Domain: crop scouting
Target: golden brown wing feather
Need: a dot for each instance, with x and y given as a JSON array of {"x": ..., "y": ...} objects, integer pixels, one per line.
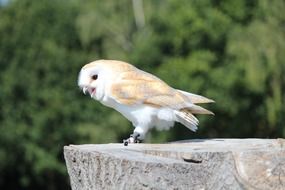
[{"x": 136, "y": 87}]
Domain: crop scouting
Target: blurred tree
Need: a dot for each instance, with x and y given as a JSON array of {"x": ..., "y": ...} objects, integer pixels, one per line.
[
  {"x": 231, "y": 56},
  {"x": 38, "y": 64},
  {"x": 41, "y": 107},
  {"x": 106, "y": 28},
  {"x": 257, "y": 49}
]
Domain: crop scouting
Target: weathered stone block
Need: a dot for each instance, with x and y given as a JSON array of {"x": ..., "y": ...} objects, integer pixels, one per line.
[{"x": 194, "y": 164}]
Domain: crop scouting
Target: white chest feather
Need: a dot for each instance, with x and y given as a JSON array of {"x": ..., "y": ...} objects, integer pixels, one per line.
[{"x": 143, "y": 115}]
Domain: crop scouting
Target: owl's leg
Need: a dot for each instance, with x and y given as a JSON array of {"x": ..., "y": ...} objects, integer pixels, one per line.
[{"x": 136, "y": 137}]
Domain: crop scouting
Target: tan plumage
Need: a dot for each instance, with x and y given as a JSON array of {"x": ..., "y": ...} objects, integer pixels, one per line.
[{"x": 132, "y": 91}]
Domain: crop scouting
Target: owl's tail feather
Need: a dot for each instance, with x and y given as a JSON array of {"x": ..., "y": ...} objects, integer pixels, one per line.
[
  {"x": 187, "y": 119},
  {"x": 185, "y": 116},
  {"x": 196, "y": 99}
]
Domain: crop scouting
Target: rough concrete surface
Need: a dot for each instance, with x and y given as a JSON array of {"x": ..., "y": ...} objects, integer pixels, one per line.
[{"x": 194, "y": 164}]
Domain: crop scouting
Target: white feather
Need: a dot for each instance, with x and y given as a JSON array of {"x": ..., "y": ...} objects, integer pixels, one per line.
[{"x": 188, "y": 120}]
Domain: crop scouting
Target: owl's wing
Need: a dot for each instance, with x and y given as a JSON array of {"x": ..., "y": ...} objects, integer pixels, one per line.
[{"x": 138, "y": 87}]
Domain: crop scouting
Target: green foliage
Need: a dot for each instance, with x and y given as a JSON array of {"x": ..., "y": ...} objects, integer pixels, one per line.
[{"x": 230, "y": 51}]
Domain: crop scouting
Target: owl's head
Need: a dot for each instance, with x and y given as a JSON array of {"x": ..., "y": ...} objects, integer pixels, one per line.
[{"x": 95, "y": 77}]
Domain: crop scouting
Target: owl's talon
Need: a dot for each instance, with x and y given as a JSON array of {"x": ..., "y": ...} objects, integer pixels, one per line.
[
  {"x": 136, "y": 136},
  {"x": 126, "y": 142},
  {"x": 137, "y": 141},
  {"x": 133, "y": 139}
]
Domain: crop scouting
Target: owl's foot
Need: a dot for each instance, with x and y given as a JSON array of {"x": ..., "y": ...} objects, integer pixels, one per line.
[{"x": 134, "y": 138}]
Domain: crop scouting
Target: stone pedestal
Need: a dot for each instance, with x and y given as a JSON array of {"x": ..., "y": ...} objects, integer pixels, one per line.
[{"x": 194, "y": 164}]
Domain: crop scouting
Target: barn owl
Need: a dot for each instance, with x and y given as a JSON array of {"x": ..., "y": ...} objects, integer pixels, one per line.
[{"x": 141, "y": 97}]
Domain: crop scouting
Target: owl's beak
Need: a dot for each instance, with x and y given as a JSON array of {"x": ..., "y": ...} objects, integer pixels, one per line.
[
  {"x": 85, "y": 90},
  {"x": 92, "y": 91},
  {"x": 89, "y": 90}
]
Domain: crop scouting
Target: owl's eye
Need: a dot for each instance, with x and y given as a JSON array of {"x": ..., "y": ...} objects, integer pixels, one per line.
[{"x": 94, "y": 77}]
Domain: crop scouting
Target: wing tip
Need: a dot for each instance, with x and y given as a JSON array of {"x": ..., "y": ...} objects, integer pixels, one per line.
[
  {"x": 196, "y": 99},
  {"x": 211, "y": 101},
  {"x": 210, "y": 112},
  {"x": 196, "y": 109}
]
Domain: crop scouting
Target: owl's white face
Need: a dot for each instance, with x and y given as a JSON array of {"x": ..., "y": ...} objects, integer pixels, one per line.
[
  {"x": 95, "y": 78},
  {"x": 92, "y": 79},
  {"x": 88, "y": 80}
]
